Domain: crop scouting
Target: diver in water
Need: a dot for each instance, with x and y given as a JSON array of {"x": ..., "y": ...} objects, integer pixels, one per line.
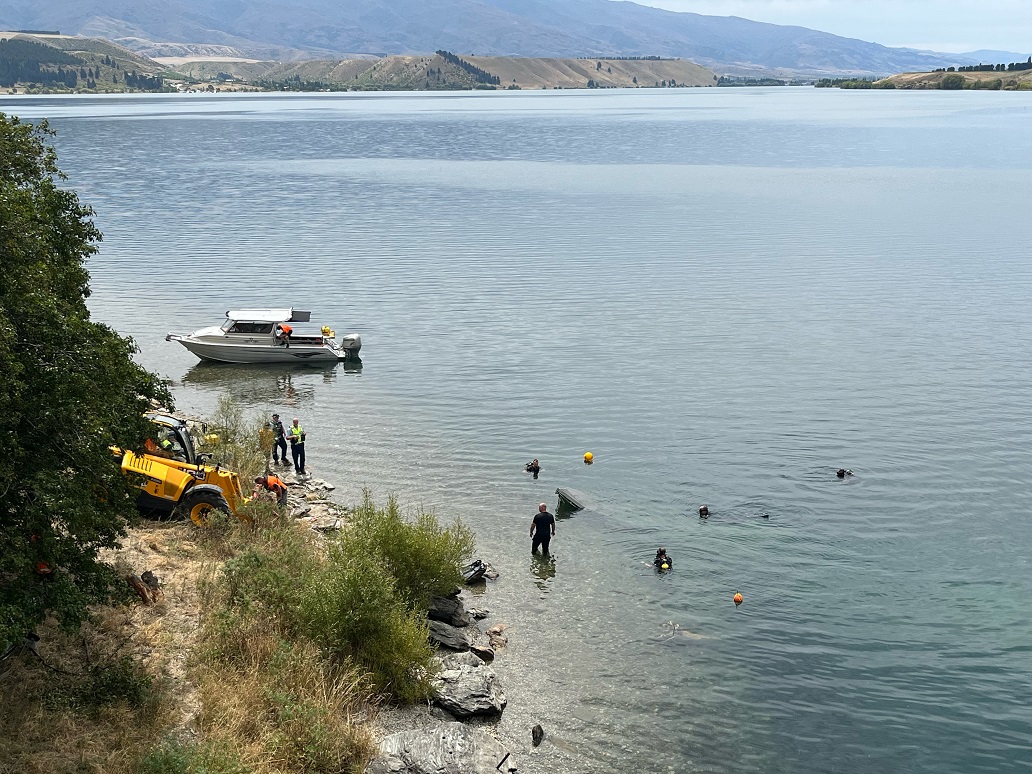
[
  {"x": 533, "y": 467},
  {"x": 662, "y": 560}
]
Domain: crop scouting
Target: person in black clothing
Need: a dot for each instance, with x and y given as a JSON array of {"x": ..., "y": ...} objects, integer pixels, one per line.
[
  {"x": 279, "y": 441},
  {"x": 662, "y": 561},
  {"x": 533, "y": 467},
  {"x": 542, "y": 530}
]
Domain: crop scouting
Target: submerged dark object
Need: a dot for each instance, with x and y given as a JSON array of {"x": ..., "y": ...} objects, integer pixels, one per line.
[
  {"x": 537, "y": 734},
  {"x": 703, "y": 511},
  {"x": 568, "y": 501},
  {"x": 474, "y": 571},
  {"x": 843, "y": 472}
]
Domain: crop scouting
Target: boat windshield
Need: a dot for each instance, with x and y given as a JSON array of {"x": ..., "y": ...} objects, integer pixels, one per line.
[{"x": 240, "y": 326}]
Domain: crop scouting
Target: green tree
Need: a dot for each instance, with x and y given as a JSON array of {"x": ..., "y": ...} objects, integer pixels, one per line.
[
  {"x": 70, "y": 390},
  {"x": 952, "y": 82}
]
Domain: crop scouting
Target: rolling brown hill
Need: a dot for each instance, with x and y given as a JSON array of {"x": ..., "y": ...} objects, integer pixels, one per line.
[{"x": 436, "y": 72}]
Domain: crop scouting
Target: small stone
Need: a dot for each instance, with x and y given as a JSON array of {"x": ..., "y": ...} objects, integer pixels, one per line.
[
  {"x": 537, "y": 735},
  {"x": 483, "y": 652},
  {"x": 326, "y": 524}
]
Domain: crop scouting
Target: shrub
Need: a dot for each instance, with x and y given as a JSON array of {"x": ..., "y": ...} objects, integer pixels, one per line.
[
  {"x": 175, "y": 757},
  {"x": 355, "y": 609},
  {"x": 238, "y": 444},
  {"x": 952, "y": 82},
  {"x": 424, "y": 557}
]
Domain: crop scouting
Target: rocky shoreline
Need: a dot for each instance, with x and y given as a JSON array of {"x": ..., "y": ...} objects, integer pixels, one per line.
[{"x": 436, "y": 738}]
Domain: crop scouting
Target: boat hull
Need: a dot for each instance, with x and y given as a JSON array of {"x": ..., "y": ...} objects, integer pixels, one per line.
[{"x": 262, "y": 353}]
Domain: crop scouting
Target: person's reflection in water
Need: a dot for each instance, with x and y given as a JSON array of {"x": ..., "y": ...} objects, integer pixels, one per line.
[
  {"x": 286, "y": 385},
  {"x": 542, "y": 567}
]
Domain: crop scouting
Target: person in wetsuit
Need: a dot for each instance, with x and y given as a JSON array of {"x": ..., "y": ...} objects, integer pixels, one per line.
[
  {"x": 533, "y": 467},
  {"x": 662, "y": 561}
]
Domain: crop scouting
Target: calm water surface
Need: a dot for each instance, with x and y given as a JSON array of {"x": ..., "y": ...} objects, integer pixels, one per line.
[{"x": 725, "y": 295}]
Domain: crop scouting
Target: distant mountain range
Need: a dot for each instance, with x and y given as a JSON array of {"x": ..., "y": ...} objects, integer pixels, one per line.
[{"x": 304, "y": 29}]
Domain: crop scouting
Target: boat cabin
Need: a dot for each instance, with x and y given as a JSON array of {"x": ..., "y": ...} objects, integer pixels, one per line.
[{"x": 268, "y": 322}]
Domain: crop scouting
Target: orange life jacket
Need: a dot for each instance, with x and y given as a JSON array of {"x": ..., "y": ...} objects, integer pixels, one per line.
[{"x": 274, "y": 484}]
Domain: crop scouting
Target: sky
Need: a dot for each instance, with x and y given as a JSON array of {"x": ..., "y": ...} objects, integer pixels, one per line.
[{"x": 940, "y": 25}]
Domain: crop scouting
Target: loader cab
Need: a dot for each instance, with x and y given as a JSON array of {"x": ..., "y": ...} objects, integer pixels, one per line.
[{"x": 171, "y": 439}]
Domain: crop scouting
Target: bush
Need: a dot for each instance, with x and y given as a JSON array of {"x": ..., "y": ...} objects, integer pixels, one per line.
[
  {"x": 238, "y": 444},
  {"x": 175, "y": 757},
  {"x": 424, "y": 557},
  {"x": 355, "y": 609},
  {"x": 952, "y": 82}
]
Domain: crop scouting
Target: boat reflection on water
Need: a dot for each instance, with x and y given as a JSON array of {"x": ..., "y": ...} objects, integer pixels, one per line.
[{"x": 292, "y": 385}]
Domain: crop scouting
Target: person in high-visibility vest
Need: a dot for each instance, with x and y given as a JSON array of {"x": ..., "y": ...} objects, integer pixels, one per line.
[
  {"x": 296, "y": 434},
  {"x": 271, "y": 483}
]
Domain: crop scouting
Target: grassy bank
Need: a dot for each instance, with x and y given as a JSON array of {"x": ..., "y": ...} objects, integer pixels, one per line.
[{"x": 269, "y": 650}]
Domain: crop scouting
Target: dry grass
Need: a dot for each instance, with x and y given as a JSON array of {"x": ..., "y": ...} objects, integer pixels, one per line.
[
  {"x": 289, "y": 708},
  {"x": 90, "y": 708},
  {"x": 118, "y": 686}
]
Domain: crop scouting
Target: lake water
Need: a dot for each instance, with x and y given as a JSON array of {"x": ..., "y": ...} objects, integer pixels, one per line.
[{"x": 725, "y": 295}]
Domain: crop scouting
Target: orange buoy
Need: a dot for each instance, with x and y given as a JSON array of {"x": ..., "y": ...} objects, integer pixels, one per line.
[{"x": 738, "y": 598}]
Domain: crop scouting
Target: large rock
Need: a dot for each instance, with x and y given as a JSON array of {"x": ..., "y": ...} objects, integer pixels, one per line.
[
  {"x": 451, "y": 610},
  {"x": 451, "y": 748},
  {"x": 451, "y": 636},
  {"x": 467, "y": 689},
  {"x": 456, "y": 660}
]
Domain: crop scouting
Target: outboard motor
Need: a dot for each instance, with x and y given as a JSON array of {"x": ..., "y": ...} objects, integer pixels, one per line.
[{"x": 351, "y": 343}]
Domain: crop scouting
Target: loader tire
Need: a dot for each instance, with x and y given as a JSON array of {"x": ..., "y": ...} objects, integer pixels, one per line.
[{"x": 199, "y": 507}]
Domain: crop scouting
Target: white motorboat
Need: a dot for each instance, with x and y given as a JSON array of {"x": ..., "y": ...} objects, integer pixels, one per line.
[{"x": 266, "y": 336}]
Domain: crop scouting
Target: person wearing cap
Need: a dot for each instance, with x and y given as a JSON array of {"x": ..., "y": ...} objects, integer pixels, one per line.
[
  {"x": 271, "y": 483},
  {"x": 279, "y": 441},
  {"x": 542, "y": 530}
]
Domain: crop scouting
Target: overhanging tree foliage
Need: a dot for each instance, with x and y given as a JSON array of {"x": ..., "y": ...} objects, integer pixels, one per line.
[{"x": 69, "y": 390}]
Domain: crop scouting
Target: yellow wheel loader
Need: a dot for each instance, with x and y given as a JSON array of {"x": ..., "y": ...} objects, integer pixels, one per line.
[{"x": 177, "y": 482}]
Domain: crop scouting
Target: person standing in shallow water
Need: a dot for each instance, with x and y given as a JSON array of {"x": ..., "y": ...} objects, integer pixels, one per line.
[{"x": 542, "y": 530}]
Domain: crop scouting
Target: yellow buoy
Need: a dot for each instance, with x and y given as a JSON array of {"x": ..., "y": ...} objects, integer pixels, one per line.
[
  {"x": 588, "y": 458},
  {"x": 665, "y": 566},
  {"x": 738, "y": 598}
]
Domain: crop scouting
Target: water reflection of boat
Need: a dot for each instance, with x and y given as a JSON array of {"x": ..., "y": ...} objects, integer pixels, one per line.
[{"x": 255, "y": 383}]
